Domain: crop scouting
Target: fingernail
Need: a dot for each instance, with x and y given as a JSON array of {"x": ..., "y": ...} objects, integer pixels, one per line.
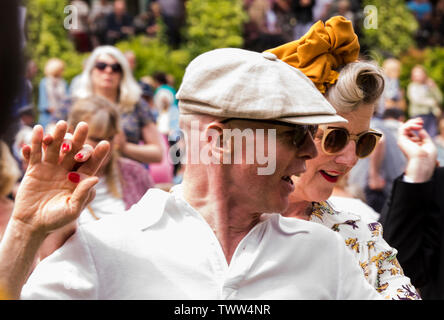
[
  {"x": 74, "y": 177},
  {"x": 79, "y": 156},
  {"x": 66, "y": 147}
]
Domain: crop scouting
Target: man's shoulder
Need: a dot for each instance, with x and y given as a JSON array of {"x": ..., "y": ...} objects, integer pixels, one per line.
[
  {"x": 313, "y": 233},
  {"x": 143, "y": 214}
]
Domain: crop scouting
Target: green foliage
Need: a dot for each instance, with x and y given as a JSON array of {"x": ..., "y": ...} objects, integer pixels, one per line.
[
  {"x": 155, "y": 55},
  {"x": 47, "y": 37},
  {"x": 396, "y": 27},
  {"x": 434, "y": 64},
  {"x": 431, "y": 58},
  {"x": 214, "y": 24}
]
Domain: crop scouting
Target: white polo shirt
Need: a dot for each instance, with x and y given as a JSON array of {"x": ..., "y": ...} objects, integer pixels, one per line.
[{"x": 163, "y": 249}]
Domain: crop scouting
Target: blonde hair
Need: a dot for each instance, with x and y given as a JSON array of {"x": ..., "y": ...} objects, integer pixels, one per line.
[
  {"x": 9, "y": 170},
  {"x": 359, "y": 83},
  {"x": 392, "y": 67},
  {"x": 54, "y": 67},
  {"x": 103, "y": 121},
  {"x": 129, "y": 90}
]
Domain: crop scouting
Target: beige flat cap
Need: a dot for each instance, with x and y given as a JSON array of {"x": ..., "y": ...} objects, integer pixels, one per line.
[{"x": 236, "y": 83}]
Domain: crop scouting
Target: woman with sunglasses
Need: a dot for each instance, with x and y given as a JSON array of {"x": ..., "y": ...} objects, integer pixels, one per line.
[
  {"x": 353, "y": 92},
  {"x": 107, "y": 74}
]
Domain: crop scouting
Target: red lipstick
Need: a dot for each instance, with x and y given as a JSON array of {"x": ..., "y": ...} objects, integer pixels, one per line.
[{"x": 328, "y": 177}]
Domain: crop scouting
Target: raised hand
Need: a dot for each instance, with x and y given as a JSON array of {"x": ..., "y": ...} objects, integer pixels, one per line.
[
  {"x": 52, "y": 193},
  {"x": 418, "y": 147}
]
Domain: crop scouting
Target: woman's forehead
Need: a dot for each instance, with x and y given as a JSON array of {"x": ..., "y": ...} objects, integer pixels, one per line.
[
  {"x": 358, "y": 119},
  {"x": 106, "y": 58}
]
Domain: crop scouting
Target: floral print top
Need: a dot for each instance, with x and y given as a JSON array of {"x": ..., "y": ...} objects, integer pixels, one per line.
[
  {"x": 376, "y": 258},
  {"x": 134, "y": 121}
]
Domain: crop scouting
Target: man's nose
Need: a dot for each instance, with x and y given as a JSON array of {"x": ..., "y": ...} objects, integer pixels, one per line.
[{"x": 308, "y": 149}]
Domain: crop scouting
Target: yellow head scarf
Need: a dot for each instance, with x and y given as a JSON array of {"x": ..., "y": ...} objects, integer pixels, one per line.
[{"x": 322, "y": 50}]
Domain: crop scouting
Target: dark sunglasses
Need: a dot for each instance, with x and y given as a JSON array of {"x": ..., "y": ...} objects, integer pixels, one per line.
[
  {"x": 298, "y": 132},
  {"x": 115, "y": 67},
  {"x": 335, "y": 139}
]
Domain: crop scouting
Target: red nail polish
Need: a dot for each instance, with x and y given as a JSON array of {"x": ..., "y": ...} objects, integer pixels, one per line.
[
  {"x": 79, "y": 156},
  {"x": 74, "y": 177},
  {"x": 65, "y": 147}
]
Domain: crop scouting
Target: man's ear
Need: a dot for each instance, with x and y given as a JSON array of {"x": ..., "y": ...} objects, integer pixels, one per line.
[{"x": 217, "y": 144}]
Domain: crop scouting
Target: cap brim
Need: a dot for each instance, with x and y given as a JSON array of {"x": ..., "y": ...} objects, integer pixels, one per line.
[{"x": 314, "y": 119}]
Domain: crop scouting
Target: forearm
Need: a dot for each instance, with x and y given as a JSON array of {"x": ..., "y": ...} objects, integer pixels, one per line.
[
  {"x": 18, "y": 250},
  {"x": 406, "y": 227},
  {"x": 146, "y": 153}
]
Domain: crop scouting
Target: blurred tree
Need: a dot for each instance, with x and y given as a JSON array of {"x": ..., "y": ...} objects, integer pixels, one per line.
[
  {"x": 214, "y": 24},
  {"x": 48, "y": 37},
  {"x": 395, "y": 30},
  {"x": 153, "y": 54},
  {"x": 431, "y": 58}
]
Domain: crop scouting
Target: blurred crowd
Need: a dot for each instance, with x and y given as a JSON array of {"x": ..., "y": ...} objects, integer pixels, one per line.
[
  {"x": 139, "y": 117},
  {"x": 107, "y": 22},
  {"x": 273, "y": 22},
  {"x": 148, "y": 110},
  {"x": 270, "y": 22}
]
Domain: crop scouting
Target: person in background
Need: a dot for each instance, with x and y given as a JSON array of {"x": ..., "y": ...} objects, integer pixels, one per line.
[
  {"x": 122, "y": 181},
  {"x": 303, "y": 12},
  {"x": 107, "y": 74},
  {"x": 413, "y": 217},
  {"x": 52, "y": 92},
  {"x": 80, "y": 34},
  {"x": 321, "y": 9},
  {"x": 393, "y": 96},
  {"x": 338, "y": 153},
  {"x": 165, "y": 103},
  {"x": 147, "y": 22},
  {"x": 132, "y": 59},
  {"x": 167, "y": 119},
  {"x": 343, "y": 8},
  {"x": 26, "y": 96},
  {"x": 437, "y": 37},
  {"x": 263, "y": 29},
  {"x": 119, "y": 24},
  {"x": 173, "y": 15},
  {"x": 423, "y": 11},
  {"x": 425, "y": 99},
  {"x": 100, "y": 9}
]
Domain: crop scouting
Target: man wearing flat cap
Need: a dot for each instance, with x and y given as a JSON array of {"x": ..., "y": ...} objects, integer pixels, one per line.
[{"x": 211, "y": 236}]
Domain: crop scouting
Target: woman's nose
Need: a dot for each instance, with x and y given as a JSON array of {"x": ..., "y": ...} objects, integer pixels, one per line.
[{"x": 348, "y": 155}]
